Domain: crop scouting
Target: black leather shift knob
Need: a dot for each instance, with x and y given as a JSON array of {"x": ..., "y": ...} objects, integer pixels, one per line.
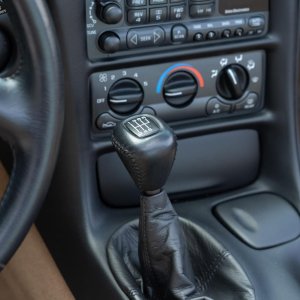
[{"x": 147, "y": 147}]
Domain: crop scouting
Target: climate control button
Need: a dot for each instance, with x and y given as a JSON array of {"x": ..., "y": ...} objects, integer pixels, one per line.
[
  {"x": 216, "y": 107},
  {"x": 180, "y": 89},
  {"x": 125, "y": 96},
  {"x": 249, "y": 103}
]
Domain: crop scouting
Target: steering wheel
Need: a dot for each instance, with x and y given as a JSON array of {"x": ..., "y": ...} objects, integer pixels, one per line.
[{"x": 31, "y": 118}]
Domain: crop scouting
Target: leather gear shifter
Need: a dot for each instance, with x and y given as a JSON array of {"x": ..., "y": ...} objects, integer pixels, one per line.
[
  {"x": 152, "y": 259},
  {"x": 147, "y": 147}
]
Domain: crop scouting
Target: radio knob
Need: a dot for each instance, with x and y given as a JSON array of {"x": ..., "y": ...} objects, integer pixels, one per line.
[
  {"x": 180, "y": 89},
  {"x": 109, "y": 12},
  {"x": 232, "y": 82},
  {"x": 125, "y": 96},
  {"x": 109, "y": 42}
]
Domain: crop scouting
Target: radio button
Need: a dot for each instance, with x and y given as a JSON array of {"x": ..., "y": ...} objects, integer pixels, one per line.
[
  {"x": 212, "y": 35},
  {"x": 158, "y": 14},
  {"x": 134, "y": 3},
  {"x": 145, "y": 37},
  {"x": 256, "y": 22},
  {"x": 158, "y": 2},
  {"x": 137, "y": 16},
  {"x": 239, "y": 32},
  {"x": 226, "y": 33},
  {"x": 177, "y": 12},
  {"x": 198, "y": 37},
  {"x": 179, "y": 34},
  {"x": 198, "y": 11}
]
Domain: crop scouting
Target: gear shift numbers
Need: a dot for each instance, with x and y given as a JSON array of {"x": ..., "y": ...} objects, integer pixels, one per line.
[{"x": 142, "y": 126}]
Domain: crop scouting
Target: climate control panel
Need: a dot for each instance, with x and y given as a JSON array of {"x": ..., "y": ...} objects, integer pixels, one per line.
[{"x": 214, "y": 87}]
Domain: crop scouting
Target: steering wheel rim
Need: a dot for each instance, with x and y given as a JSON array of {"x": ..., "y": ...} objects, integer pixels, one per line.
[{"x": 31, "y": 118}]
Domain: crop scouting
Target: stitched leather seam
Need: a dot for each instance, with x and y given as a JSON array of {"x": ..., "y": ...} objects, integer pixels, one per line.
[
  {"x": 212, "y": 269},
  {"x": 136, "y": 169}
]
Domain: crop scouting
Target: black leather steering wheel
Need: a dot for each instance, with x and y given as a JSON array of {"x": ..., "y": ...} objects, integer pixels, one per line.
[{"x": 31, "y": 117}]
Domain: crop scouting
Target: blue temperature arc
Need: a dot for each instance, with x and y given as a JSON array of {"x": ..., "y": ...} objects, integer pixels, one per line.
[{"x": 178, "y": 67}]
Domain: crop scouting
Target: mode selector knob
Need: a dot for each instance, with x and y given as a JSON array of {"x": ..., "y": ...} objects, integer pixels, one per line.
[
  {"x": 125, "y": 96},
  {"x": 180, "y": 89},
  {"x": 232, "y": 82},
  {"x": 109, "y": 12}
]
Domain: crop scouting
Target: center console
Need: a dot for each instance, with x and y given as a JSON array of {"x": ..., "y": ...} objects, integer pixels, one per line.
[
  {"x": 222, "y": 74},
  {"x": 124, "y": 35}
]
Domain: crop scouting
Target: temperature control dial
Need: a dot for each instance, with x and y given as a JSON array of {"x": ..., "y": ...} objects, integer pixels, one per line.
[
  {"x": 232, "y": 82},
  {"x": 109, "y": 12},
  {"x": 125, "y": 96},
  {"x": 180, "y": 89}
]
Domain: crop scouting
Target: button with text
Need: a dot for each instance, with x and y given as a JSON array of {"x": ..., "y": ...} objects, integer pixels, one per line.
[
  {"x": 158, "y": 2},
  {"x": 145, "y": 37},
  {"x": 256, "y": 22},
  {"x": 137, "y": 16},
  {"x": 215, "y": 107},
  {"x": 179, "y": 34},
  {"x": 158, "y": 14},
  {"x": 198, "y": 11},
  {"x": 177, "y": 12},
  {"x": 250, "y": 102},
  {"x": 136, "y": 2}
]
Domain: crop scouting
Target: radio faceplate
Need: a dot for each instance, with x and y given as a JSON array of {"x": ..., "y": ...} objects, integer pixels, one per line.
[
  {"x": 207, "y": 88},
  {"x": 121, "y": 27}
]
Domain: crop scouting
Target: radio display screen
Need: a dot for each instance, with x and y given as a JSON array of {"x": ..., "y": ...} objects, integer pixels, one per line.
[{"x": 228, "y": 7}]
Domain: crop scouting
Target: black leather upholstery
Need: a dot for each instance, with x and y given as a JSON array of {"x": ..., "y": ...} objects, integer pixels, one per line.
[
  {"x": 31, "y": 115},
  {"x": 218, "y": 275},
  {"x": 165, "y": 263}
]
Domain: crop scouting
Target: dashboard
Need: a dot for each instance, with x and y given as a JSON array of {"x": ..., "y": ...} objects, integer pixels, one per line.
[
  {"x": 223, "y": 74},
  {"x": 145, "y": 37},
  {"x": 214, "y": 87}
]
